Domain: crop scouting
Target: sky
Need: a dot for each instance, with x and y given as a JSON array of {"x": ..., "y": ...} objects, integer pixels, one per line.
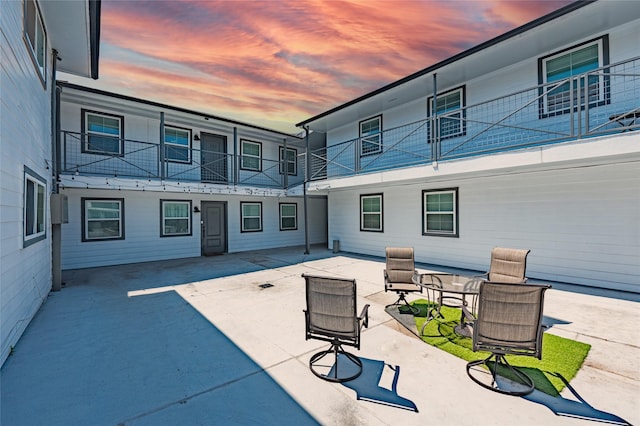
[{"x": 275, "y": 63}]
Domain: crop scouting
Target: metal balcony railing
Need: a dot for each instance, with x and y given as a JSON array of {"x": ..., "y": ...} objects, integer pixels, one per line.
[
  {"x": 114, "y": 157},
  {"x": 602, "y": 101}
]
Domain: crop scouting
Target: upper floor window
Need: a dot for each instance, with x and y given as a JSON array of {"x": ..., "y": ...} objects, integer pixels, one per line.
[
  {"x": 175, "y": 218},
  {"x": 35, "y": 201},
  {"x": 450, "y": 112},
  {"x": 36, "y": 36},
  {"x": 567, "y": 72},
  {"x": 371, "y": 212},
  {"x": 177, "y": 144},
  {"x": 251, "y": 155},
  {"x": 103, "y": 219},
  {"x": 371, "y": 136},
  {"x": 288, "y": 216},
  {"x": 104, "y": 133},
  {"x": 288, "y": 162},
  {"x": 440, "y": 212},
  {"x": 250, "y": 217}
]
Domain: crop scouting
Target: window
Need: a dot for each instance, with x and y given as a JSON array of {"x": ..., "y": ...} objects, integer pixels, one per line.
[
  {"x": 371, "y": 212},
  {"x": 288, "y": 163},
  {"x": 35, "y": 203},
  {"x": 288, "y": 216},
  {"x": 371, "y": 136},
  {"x": 556, "y": 69},
  {"x": 177, "y": 144},
  {"x": 175, "y": 218},
  {"x": 251, "y": 217},
  {"x": 103, "y": 219},
  {"x": 251, "y": 155},
  {"x": 36, "y": 37},
  {"x": 104, "y": 133},
  {"x": 440, "y": 212},
  {"x": 450, "y": 113}
]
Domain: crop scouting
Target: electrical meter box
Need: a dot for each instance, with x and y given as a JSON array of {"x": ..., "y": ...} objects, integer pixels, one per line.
[{"x": 59, "y": 209}]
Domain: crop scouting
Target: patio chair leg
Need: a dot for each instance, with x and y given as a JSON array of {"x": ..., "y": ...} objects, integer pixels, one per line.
[
  {"x": 402, "y": 300},
  {"x": 333, "y": 375},
  {"x": 500, "y": 361}
]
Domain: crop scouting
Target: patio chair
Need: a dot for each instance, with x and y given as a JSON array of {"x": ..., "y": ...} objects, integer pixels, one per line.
[
  {"x": 331, "y": 316},
  {"x": 507, "y": 265},
  {"x": 509, "y": 322},
  {"x": 400, "y": 269}
]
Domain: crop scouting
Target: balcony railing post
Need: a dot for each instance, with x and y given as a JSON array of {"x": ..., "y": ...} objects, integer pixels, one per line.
[
  {"x": 434, "y": 123},
  {"x": 162, "y": 160},
  {"x": 236, "y": 158},
  {"x": 357, "y": 148},
  {"x": 586, "y": 103},
  {"x": 285, "y": 166}
]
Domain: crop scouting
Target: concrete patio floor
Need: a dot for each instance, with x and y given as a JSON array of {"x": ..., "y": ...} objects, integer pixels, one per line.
[{"x": 198, "y": 341}]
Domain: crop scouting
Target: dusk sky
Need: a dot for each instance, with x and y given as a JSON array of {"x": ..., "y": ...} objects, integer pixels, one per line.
[{"x": 276, "y": 63}]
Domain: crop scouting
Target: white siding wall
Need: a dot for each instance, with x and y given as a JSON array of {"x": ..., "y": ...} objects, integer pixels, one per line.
[
  {"x": 581, "y": 224},
  {"x": 143, "y": 243},
  {"x": 622, "y": 45},
  {"x": 25, "y": 140}
]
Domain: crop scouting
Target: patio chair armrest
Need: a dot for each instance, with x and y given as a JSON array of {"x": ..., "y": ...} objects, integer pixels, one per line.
[{"x": 364, "y": 316}]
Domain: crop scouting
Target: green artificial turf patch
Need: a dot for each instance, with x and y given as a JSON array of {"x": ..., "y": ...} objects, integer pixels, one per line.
[{"x": 559, "y": 355}]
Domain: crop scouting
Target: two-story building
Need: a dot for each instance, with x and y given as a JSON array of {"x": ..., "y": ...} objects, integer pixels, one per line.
[
  {"x": 528, "y": 140},
  {"x": 146, "y": 181},
  {"x": 37, "y": 39}
]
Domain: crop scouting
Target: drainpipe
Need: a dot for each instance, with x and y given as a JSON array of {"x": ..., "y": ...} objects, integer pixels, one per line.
[
  {"x": 56, "y": 229},
  {"x": 162, "y": 172},
  {"x": 307, "y": 244}
]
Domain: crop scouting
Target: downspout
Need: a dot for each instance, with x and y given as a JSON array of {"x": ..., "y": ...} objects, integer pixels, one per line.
[
  {"x": 56, "y": 229},
  {"x": 307, "y": 244}
]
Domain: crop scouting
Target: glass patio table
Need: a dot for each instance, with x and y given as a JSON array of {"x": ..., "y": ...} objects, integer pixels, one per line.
[{"x": 451, "y": 290}]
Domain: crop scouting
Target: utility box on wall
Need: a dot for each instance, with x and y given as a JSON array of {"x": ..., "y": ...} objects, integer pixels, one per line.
[{"x": 59, "y": 209}]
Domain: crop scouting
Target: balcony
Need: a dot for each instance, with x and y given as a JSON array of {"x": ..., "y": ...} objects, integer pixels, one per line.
[
  {"x": 84, "y": 154},
  {"x": 601, "y": 102}
]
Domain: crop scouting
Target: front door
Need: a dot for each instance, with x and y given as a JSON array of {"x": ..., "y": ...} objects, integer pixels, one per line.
[
  {"x": 214, "y": 227},
  {"x": 213, "y": 153}
]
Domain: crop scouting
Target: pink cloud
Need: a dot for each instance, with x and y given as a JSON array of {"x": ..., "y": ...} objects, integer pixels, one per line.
[{"x": 283, "y": 61}]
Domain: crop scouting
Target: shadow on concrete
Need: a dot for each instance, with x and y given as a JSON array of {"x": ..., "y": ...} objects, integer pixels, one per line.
[
  {"x": 578, "y": 408},
  {"x": 150, "y": 359},
  {"x": 369, "y": 387}
]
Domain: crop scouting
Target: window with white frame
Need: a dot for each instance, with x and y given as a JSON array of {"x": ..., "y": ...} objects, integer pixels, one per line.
[
  {"x": 36, "y": 36},
  {"x": 250, "y": 155},
  {"x": 288, "y": 216},
  {"x": 288, "y": 162},
  {"x": 371, "y": 135},
  {"x": 440, "y": 212},
  {"x": 35, "y": 207},
  {"x": 104, "y": 133},
  {"x": 177, "y": 144},
  {"x": 175, "y": 218},
  {"x": 371, "y": 212},
  {"x": 103, "y": 219},
  {"x": 450, "y": 112},
  {"x": 250, "y": 217},
  {"x": 567, "y": 72}
]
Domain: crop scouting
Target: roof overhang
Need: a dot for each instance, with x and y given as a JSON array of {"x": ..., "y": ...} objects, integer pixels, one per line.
[
  {"x": 573, "y": 22},
  {"x": 73, "y": 27}
]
